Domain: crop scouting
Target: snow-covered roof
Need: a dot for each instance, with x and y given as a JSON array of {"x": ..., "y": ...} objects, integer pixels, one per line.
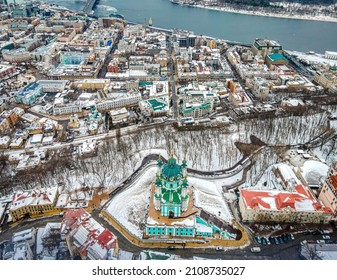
[
  {"x": 314, "y": 172},
  {"x": 93, "y": 240},
  {"x": 34, "y": 197},
  {"x": 288, "y": 174},
  {"x": 23, "y": 235},
  {"x": 203, "y": 228},
  {"x": 299, "y": 200},
  {"x": 125, "y": 255},
  {"x": 186, "y": 222},
  {"x": 47, "y": 231}
]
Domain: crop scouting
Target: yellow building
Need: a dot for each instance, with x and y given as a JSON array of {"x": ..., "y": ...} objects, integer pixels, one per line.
[
  {"x": 92, "y": 84},
  {"x": 212, "y": 44},
  {"x": 33, "y": 202}
]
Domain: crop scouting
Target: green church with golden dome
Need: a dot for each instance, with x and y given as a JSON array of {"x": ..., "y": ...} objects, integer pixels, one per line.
[
  {"x": 171, "y": 195},
  {"x": 171, "y": 212}
]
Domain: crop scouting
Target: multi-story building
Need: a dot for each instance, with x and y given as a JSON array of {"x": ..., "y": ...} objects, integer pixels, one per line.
[
  {"x": 6, "y": 70},
  {"x": 276, "y": 59},
  {"x": 53, "y": 85},
  {"x": 88, "y": 238},
  {"x": 33, "y": 202},
  {"x": 28, "y": 94},
  {"x": 63, "y": 109},
  {"x": 154, "y": 107},
  {"x": 67, "y": 36},
  {"x": 3, "y": 104},
  {"x": 264, "y": 47},
  {"x": 296, "y": 206},
  {"x": 328, "y": 190},
  {"x": 4, "y": 142},
  {"x": 4, "y": 125},
  {"x": 327, "y": 80},
  {"x": 198, "y": 103},
  {"x": 91, "y": 84},
  {"x": 261, "y": 87},
  {"x": 16, "y": 56},
  {"x": 11, "y": 117},
  {"x": 120, "y": 100},
  {"x": 330, "y": 55}
]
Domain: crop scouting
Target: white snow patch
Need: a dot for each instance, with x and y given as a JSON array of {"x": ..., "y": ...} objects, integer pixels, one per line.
[
  {"x": 130, "y": 206},
  {"x": 208, "y": 196},
  {"x": 313, "y": 171}
]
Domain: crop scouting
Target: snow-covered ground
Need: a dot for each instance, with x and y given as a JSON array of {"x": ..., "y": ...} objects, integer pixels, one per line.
[
  {"x": 208, "y": 149},
  {"x": 208, "y": 196},
  {"x": 314, "y": 172},
  {"x": 129, "y": 207}
]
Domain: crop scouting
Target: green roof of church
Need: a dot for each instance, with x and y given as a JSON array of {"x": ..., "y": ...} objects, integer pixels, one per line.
[
  {"x": 171, "y": 197},
  {"x": 171, "y": 169}
]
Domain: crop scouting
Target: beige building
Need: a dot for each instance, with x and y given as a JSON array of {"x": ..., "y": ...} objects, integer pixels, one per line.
[
  {"x": 92, "y": 84},
  {"x": 67, "y": 36},
  {"x": 298, "y": 206},
  {"x": 327, "y": 80},
  {"x": 328, "y": 191}
]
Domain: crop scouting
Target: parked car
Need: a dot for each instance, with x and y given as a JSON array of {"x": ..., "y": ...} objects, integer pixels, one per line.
[
  {"x": 258, "y": 239},
  {"x": 171, "y": 248},
  {"x": 320, "y": 242},
  {"x": 284, "y": 238},
  {"x": 255, "y": 249},
  {"x": 325, "y": 237},
  {"x": 219, "y": 249},
  {"x": 292, "y": 237}
]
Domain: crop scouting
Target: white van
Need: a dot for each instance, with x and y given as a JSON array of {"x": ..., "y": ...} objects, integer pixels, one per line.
[{"x": 255, "y": 249}]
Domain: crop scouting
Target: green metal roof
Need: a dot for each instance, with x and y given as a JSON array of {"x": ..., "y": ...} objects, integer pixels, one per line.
[
  {"x": 143, "y": 84},
  {"x": 170, "y": 196},
  {"x": 171, "y": 169},
  {"x": 276, "y": 56},
  {"x": 156, "y": 105}
]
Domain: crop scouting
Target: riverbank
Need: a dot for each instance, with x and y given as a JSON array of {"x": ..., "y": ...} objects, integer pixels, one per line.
[{"x": 261, "y": 13}]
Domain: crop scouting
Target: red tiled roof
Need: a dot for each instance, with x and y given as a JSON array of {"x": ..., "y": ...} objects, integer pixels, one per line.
[
  {"x": 71, "y": 216},
  {"x": 106, "y": 239},
  {"x": 282, "y": 199}
]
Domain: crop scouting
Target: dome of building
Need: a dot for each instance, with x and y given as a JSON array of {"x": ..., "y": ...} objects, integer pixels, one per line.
[{"x": 171, "y": 169}]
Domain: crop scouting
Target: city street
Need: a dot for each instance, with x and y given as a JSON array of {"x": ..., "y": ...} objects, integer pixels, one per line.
[{"x": 286, "y": 251}]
